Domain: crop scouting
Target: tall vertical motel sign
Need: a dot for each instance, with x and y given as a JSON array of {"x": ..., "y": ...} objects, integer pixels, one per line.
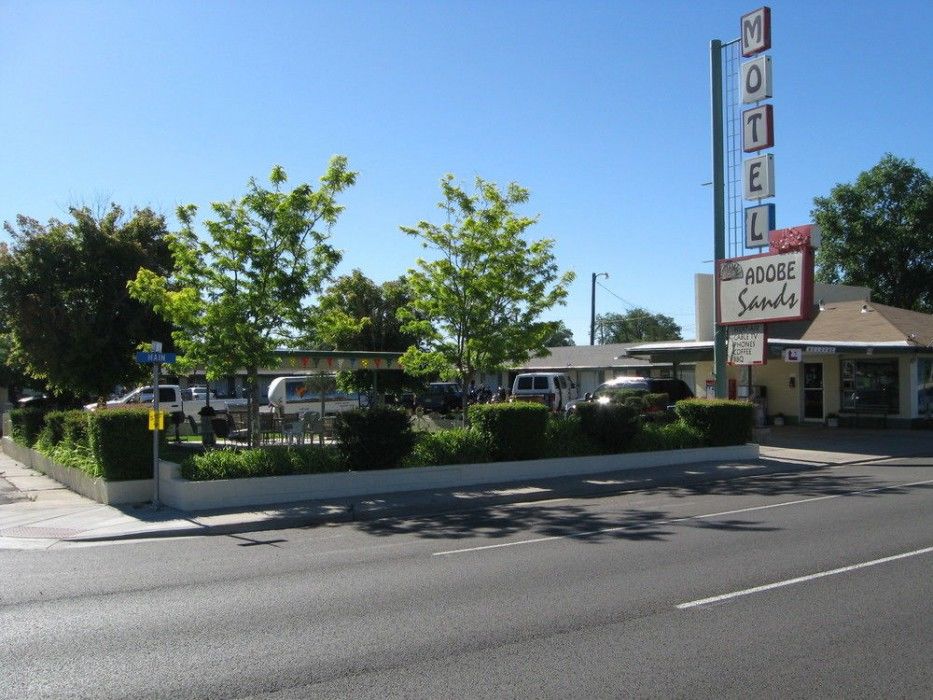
[
  {"x": 757, "y": 126},
  {"x": 778, "y": 285}
]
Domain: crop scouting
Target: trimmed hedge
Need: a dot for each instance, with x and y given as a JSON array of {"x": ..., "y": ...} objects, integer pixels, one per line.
[
  {"x": 722, "y": 422},
  {"x": 268, "y": 461},
  {"x": 375, "y": 438},
  {"x": 514, "y": 431},
  {"x": 678, "y": 435},
  {"x": 454, "y": 446},
  {"x": 611, "y": 425},
  {"x": 64, "y": 427},
  {"x": 564, "y": 437},
  {"x": 121, "y": 443},
  {"x": 27, "y": 424}
]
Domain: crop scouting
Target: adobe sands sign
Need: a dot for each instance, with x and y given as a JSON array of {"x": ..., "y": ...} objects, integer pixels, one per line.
[{"x": 765, "y": 288}]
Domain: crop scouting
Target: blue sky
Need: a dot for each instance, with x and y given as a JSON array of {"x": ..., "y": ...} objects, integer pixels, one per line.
[{"x": 600, "y": 109}]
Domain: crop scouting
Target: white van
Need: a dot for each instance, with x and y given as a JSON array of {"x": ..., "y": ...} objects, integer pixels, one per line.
[
  {"x": 302, "y": 394},
  {"x": 553, "y": 389}
]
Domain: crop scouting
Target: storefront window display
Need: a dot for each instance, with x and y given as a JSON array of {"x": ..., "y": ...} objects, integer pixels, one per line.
[{"x": 870, "y": 385}]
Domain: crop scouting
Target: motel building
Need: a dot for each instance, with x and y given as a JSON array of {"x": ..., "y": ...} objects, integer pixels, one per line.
[{"x": 855, "y": 361}]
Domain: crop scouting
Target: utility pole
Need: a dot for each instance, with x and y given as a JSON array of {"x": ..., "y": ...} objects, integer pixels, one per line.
[{"x": 593, "y": 306}]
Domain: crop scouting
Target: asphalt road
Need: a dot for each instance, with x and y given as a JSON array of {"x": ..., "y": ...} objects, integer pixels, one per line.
[{"x": 815, "y": 584}]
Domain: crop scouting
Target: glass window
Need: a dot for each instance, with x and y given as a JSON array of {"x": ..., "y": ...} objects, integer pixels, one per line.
[
  {"x": 925, "y": 387},
  {"x": 541, "y": 383},
  {"x": 870, "y": 386}
]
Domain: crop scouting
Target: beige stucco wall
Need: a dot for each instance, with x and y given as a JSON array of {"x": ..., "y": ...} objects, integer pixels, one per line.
[{"x": 782, "y": 398}]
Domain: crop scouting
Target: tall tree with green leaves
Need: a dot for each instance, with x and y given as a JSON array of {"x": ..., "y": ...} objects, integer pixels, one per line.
[
  {"x": 478, "y": 301},
  {"x": 69, "y": 319},
  {"x": 636, "y": 325},
  {"x": 877, "y": 232},
  {"x": 355, "y": 313},
  {"x": 244, "y": 291},
  {"x": 561, "y": 336}
]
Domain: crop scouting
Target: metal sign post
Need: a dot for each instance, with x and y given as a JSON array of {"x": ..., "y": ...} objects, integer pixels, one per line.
[{"x": 155, "y": 434}]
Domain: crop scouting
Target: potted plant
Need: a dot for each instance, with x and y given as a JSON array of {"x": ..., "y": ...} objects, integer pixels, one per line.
[
  {"x": 779, "y": 419},
  {"x": 832, "y": 420}
]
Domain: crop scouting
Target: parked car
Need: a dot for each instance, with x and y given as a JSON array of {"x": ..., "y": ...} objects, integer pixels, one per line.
[
  {"x": 172, "y": 399},
  {"x": 441, "y": 397},
  {"x": 676, "y": 390},
  {"x": 554, "y": 389}
]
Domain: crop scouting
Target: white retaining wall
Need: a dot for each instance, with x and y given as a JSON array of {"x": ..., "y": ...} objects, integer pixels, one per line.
[
  {"x": 204, "y": 495},
  {"x": 109, "y": 492},
  {"x": 229, "y": 493}
]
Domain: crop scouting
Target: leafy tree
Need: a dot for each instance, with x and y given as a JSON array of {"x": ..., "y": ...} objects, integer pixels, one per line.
[
  {"x": 70, "y": 321},
  {"x": 561, "y": 336},
  {"x": 636, "y": 325},
  {"x": 355, "y": 313},
  {"x": 477, "y": 303},
  {"x": 878, "y": 232},
  {"x": 237, "y": 297}
]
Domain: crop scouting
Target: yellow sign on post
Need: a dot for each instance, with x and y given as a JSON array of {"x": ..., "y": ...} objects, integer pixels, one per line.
[{"x": 156, "y": 419}]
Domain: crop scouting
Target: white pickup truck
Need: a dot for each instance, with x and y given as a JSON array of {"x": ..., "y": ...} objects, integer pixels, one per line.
[{"x": 172, "y": 398}]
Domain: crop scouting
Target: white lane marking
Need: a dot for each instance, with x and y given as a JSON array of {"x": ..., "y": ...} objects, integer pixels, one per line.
[
  {"x": 801, "y": 579},
  {"x": 587, "y": 533}
]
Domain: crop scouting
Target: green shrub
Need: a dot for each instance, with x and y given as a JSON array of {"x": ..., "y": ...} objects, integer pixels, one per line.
[
  {"x": 453, "y": 446},
  {"x": 121, "y": 443},
  {"x": 656, "y": 402},
  {"x": 52, "y": 432},
  {"x": 564, "y": 437},
  {"x": 376, "y": 438},
  {"x": 27, "y": 424},
  {"x": 513, "y": 431},
  {"x": 268, "y": 461},
  {"x": 671, "y": 436},
  {"x": 721, "y": 422},
  {"x": 68, "y": 427},
  {"x": 611, "y": 425},
  {"x": 75, "y": 428}
]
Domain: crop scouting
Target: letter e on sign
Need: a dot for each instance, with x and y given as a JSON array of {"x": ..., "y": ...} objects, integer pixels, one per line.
[
  {"x": 758, "y": 177},
  {"x": 755, "y": 30}
]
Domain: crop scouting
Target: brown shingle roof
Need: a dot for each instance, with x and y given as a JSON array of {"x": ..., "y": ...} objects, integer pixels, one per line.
[{"x": 844, "y": 321}]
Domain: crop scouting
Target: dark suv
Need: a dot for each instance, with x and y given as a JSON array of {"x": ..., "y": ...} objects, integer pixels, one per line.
[
  {"x": 441, "y": 397},
  {"x": 676, "y": 389}
]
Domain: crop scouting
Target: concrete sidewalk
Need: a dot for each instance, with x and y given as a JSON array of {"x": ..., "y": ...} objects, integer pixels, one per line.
[{"x": 39, "y": 513}]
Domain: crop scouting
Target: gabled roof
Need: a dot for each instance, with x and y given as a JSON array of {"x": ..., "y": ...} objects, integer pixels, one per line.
[
  {"x": 846, "y": 325},
  {"x": 585, "y": 357},
  {"x": 859, "y": 322}
]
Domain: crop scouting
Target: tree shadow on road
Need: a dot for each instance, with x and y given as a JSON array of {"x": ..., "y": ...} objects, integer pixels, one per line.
[{"x": 579, "y": 521}]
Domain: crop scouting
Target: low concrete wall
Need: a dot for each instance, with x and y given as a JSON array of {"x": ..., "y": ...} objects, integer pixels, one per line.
[
  {"x": 205, "y": 495},
  {"x": 95, "y": 488}
]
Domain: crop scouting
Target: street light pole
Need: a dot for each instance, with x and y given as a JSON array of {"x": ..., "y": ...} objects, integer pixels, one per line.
[{"x": 593, "y": 306}]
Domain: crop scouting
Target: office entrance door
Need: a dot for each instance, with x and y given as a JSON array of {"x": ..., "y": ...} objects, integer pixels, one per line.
[{"x": 813, "y": 391}]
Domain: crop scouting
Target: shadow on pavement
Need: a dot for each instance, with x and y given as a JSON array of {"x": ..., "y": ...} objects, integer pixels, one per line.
[{"x": 570, "y": 520}]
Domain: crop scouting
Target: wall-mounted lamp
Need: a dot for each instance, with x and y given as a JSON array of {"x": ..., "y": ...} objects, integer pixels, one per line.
[{"x": 792, "y": 382}]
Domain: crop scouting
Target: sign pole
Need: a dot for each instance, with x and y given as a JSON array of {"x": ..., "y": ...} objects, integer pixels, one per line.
[
  {"x": 155, "y": 435},
  {"x": 719, "y": 206}
]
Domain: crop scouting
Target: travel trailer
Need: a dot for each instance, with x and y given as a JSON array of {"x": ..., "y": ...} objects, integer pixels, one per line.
[{"x": 302, "y": 394}]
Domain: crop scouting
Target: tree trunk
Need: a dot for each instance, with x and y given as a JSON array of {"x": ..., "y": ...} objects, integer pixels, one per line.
[{"x": 252, "y": 375}]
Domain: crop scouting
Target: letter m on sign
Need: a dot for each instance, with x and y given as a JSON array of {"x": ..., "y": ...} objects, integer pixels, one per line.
[{"x": 756, "y": 31}]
